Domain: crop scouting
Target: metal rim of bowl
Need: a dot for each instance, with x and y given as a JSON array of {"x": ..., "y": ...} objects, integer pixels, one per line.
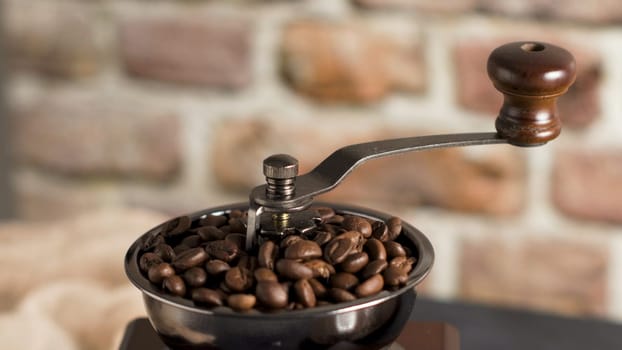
[{"x": 419, "y": 272}]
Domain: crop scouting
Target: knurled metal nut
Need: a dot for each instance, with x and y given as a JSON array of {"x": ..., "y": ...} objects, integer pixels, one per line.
[{"x": 280, "y": 166}]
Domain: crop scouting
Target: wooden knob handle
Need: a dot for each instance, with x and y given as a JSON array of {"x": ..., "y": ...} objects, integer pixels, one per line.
[{"x": 531, "y": 75}]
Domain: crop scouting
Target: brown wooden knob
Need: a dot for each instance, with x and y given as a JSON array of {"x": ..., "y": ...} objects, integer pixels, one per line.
[{"x": 531, "y": 75}]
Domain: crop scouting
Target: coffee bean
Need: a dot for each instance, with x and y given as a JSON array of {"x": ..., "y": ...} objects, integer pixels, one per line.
[
  {"x": 338, "y": 250},
  {"x": 303, "y": 249},
  {"x": 395, "y": 276},
  {"x": 336, "y": 219},
  {"x": 248, "y": 262},
  {"x": 325, "y": 213},
  {"x": 343, "y": 280},
  {"x": 380, "y": 231},
  {"x": 148, "y": 260},
  {"x": 223, "y": 250},
  {"x": 289, "y": 240},
  {"x": 341, "y": 295},
  {"x": 357, "y": 223},
  {"x": 211, "y": 233},
  {"x": 403, "y": 263},
  {"x": 207, "y": 296},
  {"x": 213, "y": 220},
  {"x": 175, "y": 285},
  {"x": 373, "y": 268},
  {"x": 318, "y": 288},
  {"x": 159, "y": 272},
  {"x": 264, "y": 274},
  {"x": 165, "y": 252},
  {"x": 322, "y": 237},
  {"x": 238, "y": 239},
  {"x": 293, "y": 269},
  {"x": 370, "y": 286},
  {"x": 304, "y": 293},
  {"x": 376, "y": 250},
  {"x": 355, "y": 262},
  {"x": 216, "y": 267},
  {"x": 268, "y": 251},
  {"x": 192, "y": 241},
  {"x": 236, "y": 213},
  {"x": 237, "y": 225},
  {"x": 395, "y": 227},
  {"x": 177, "y": 226},
  {"x": 152, "y": 241},
  {"x": 241, "y": 301},
  {"x": 271, "y": 294},
  {"x": 195, "y": 277},
  {"x": 394, "y": 249},
  {"x": 357, "y": 239},
  {"x": 238, "y": 279},
  {"x": 190, "y": 258},
  {"x": 320, "y": 268}
]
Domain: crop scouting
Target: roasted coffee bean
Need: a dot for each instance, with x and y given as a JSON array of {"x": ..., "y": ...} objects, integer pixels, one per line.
[
  {"x": 357, "y": 223},
  {"x": 237, "y": 225},
  {"x": 395, "y": 227},
  {"x": 238, "y": 279},
  {"x": 177, "y": 226},
  {"x": 148, "y": 260},
  {"x": 343, "y": 280},
  {"x": 380, "y": 231},
  {"x": 211, "y": 233},
  {"x": 325, "y": 213},
  {"x": 248, "y": 262},
  {"x": 192, "y": 241},
  {"x": 318, "y": 288},
  {"x": 338, "y": 250},
  {"x": 208, "y": 296},
  {"x": 320, "y": 268},
  {"x": 216, "y": 267},
  {"x": 373, "y": 268},
  {"x": 395, "y": 276},
  {"x": 195, "y": 277},
  {"x": 190, "y": 258},
  {"x": 159, "y": 272},
  {"x": 238, "y": 239},
  {"x": 304, "y": 293},
  {"x": 370, "y": 286},
  {"x": 264, "y": 274},
  {"x": 322, "y": 237},
  {"x": 271, "y": 294},
  {"x": 268, "y": 252},
  {"x": 241, "y": 302},
  {"x": 303, "y": 249},
  {"x": 293, "y": 269},
  {"x": 236, "y": 213},
  {"x": 394, "y": 249},
  {"x": 336, "y": 219},
  {"x": 356, "y": 238},
  {"x": 223, "y": 250},
  {"x": 180, "y": 248},
  {"x": 289, "y": 240},
  {"x": 153, "y": 241},
  {"x": 341, "y": 295},
  {"x": 175, "y": 285},
  {"x": 402, "y": 262},
  {"x": 355, "y": 262},
  {"x": 165, "y": 252},
  {"x": 213, "y": 220},
  {"x": 376, "y": 250}
]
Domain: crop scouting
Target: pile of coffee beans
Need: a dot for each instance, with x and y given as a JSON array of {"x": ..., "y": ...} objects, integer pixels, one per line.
[{"x": 344, "y": 257}]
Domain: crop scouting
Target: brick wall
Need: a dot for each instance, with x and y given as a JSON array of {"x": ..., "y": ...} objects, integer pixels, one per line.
[{"x": 173, "y": 104}]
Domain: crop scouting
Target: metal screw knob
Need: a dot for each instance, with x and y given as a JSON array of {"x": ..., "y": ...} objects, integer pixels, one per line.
[
  {"x": 280, "y": 171},
  {"x": 280, "y": 166}
]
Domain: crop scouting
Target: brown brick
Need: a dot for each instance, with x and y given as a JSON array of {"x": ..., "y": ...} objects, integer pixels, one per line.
[
  {"x": 55, "y": 38},
  {"x": 552, "y": 274},
  {"x": 588, "y": 184},
  {"x": 451, "y": 6},
  {"x": 598, "y": 12},
  {"x": 210, "y": 51},
  {"x": 345, "y": 62},
  {"x": 491, "y": 183},
  {"x": 578, "y": 108},
  {"x": 88, "y": 135}
]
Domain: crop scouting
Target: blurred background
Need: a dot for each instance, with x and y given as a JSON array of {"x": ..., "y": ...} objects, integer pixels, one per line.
[{"x": 119, "y": 114}]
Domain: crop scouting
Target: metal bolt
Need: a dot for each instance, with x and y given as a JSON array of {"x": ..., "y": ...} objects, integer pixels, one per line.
[{"x": 280, "y": 171}]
